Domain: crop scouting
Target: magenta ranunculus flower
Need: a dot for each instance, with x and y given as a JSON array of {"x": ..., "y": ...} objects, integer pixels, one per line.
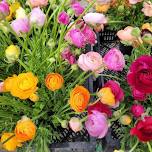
[
  {"x": 21, "y": 26},
  {"x": 140, "y": 96},
  {"x": 89, "y": 34},
  {"x": 147, "y": 9},
  {"x": 78, "y": 9},
  {"x": 114, "y": 60},
  {"x": 134, "y": 1},
  {"x": 67, "y": 55},
  {"x": 37, "y": 17},
  {"x": 91, "y": 61},
  {"x": 97, "y": 124},
  {"x": 137, "y": 110},
  {"x": 4, "y": 9},
  {"x": 116, "y": 90},
  {"x": 75, "y": 37},
  {"x": 37, "y": 3},
  {"x": 63, "y": 18}
]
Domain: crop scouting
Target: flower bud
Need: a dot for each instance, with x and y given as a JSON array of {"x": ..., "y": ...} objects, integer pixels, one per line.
[
  {"x": 117, "y": 113},
  {"x": 74, "y": 67},
  {"x": 64, "y": 123},
  {"x": 12, "y": 53},
  {"x": 51, "y": 60},
  {"x": 20, "y": 13},
  {"x": 34, "y": 97},
  {"x": 51, "y": 43},
  {"x": 125, "y": 120},
  {"x": 4, "y": 9},
  {"x": 121, "y": 8}
]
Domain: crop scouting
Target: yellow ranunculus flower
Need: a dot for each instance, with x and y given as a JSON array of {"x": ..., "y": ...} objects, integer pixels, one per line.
[
  {"x": 12, "y": 53},
  {"x": 125, "y": 120},
  {"x": 106, "y": 96},
  {"x": 25, "y": 129},
  {"x": 12, "y": 143},
  {"x": 147, "y": 26},
  {"x": 20, "y": 13}
]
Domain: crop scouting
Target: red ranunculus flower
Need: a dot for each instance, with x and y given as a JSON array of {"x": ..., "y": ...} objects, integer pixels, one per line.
[
  {"x": 116, "y": 90},
  {"x": 143, "y": 129},
  {"x": 99, "y": 106},
  {"x": 140, "y": 74},
  {"x": 141, "y": 96}
]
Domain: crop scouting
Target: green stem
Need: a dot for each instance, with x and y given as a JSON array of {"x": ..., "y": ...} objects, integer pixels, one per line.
[
  {"x": 111, "y": 76},
  {"x": 149, "y": 147},
  {"x": 134, "y": 147},
  {"x": 23, "y": 65},
  {"x": 40, "y": 115}
]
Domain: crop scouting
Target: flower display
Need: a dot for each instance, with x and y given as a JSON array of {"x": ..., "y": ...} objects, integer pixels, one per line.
[
  {"x": 91, "y": 61},
  {"x": 4, "y": 9},
  {"x": 75, "y": 124},
  {"x": 54, "y": 81},
  {"x": 79, "y": 98},
  {"x": 63, "y": 18},
  {"x": 114, "y": 60},
  {"x": 37, "y": 17},
  {"x": 143, "y": 129},
  {"x": 96, "y": 124}
]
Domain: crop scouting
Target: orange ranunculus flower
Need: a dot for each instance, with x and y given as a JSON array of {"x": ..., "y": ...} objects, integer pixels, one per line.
[
  {"x": 102, "y": 8},
  {"x": 106, "y": 96},
  {"x": 79, "y": 98},
  {"x": 12, "y": 143},
  {"x": 23, "y": 85},
  {"x": 25, "y": 129},
  {"x": 54, "y": 81}
]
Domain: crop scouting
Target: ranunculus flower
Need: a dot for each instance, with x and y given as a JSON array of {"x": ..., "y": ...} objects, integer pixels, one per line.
[
  {"x": 140, "y": 75},
  {"x": 54, "y": 81},
  {"x": 137, "y": 110},
  {"x": 67, "y": 55},
  {"x": 140, "y": 96},
  {"x": 102, "y": 8},
  {"x": 89, "y": 34},
  {"x": 4, "y": 9},
  {"x": 12, "y": 143},
  {"x": 99, "y": 106},
  {"x": 125, "y": 35},
  {"x": 95, "y": 18},
  {"x": 91, "y": 61},
  {"x": 116, "y": 90},
  {"x": 20, "y": 13},
  {"x": 143, "y": 129},
  {"x": 75, "y": 124},
  {"x": 37, "y": 3},
  {"x": 25, "y": 129},
  {"x": 78, "y": 9},
  {"x": 103, "y": 1},
  {"x": 34, "y": 97},
  {"x": 21, "y": 86},
  {"x": 12, "y": 53},
  {"x": 97, "y": 124},
  {"x": 76, "y": 37},
  {"x": 134, "y": 1},
  {"x": 79, "y": 98},
  {"x": 63, "y": 18},
  {"x": 37, "y": 17},
  {"x": 114, "y": 60},
  {"x": 147, "y": 9},
  {"x": 21, "y": 26},
  {"x": 125, "y": 120}
]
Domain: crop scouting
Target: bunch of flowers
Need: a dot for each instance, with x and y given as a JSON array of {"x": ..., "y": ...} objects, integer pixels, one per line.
[{"x": 44, "y": 65}]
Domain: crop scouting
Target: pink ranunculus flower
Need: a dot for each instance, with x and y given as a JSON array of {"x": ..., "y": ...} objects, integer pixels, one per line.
[
  {"x": 114, "y": 60},
  {"x": 75, "y": 124},
  {"x": 67, "y": 55},
  {"x": 37, "y": 17},
  {"x": 91, "y": 61},
  {"x": 78, "y": 9},
  {"x": 63, "y": 18},
  {"x": 125, "y": 35},
  {"x": 147, "y": 9},
  {"x": 97, "y": 124},
  {"x": 75, "y": 37},
  {"x": 137, "y": 110},
  {"x": 1, "y": 87},
  {"x": 95, "y": 18},
  {"x": 134, "y": 1},
  {"x": 140, "y": 96},
  {"x": 21, "y": 26},
  {"x": 89, "y": 34},
  {"x": 4, "y": 9},
  {"x": 37, "y": 3}
]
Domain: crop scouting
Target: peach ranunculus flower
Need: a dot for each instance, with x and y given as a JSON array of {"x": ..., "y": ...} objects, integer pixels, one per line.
[
  {"x": 79, "y": 98},
  {"x": 147, "y": 9},
  {"x": 12, "y": 143},
  {"x": 106, "y": 96},
  {"x": 134, "y": 1},
  {"x": 25, "y": 129},
  {"x": 37, "y": 3},
  {"x": 54, "y": 81},
  {"x": 21, "y": 86}
]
